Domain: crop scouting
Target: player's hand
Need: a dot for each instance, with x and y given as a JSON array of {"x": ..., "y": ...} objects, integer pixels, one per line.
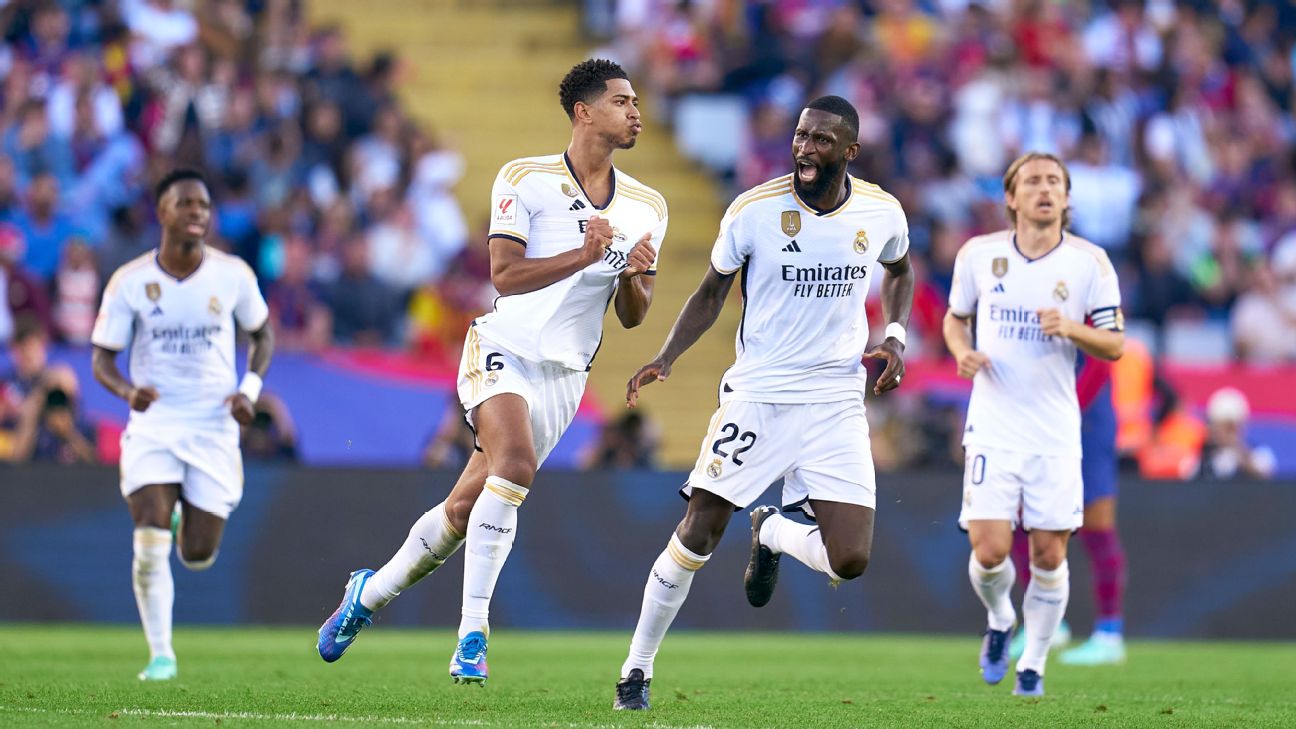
[
  {"x": 971, "y": 362},
  {"x": 1054, "y": 323},
  {"x": 598, "y": 236},
  {"x": 892, "y": 351},
  {"x": 641, "y": 257},
  {"x": 141, "y": 397},
  {"x": 654, "y": 371},
  {"x": 241, "y": 408}
]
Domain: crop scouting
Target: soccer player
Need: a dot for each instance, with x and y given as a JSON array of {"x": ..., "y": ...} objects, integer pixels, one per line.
[
  {"x": 805, "y": 247},
  {"x": 177, "y": 308},
  {"x": 569, "y": 234},
  {"x": 1031, "y": 289}
]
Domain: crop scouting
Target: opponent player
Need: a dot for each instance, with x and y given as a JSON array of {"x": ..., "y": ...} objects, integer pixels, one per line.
[
  {"x": 177, "y": 309},
  {"x": 569, "y": 234},
  {"x": 792, "y": 405},
  {"x": 1031, "y": 289}
]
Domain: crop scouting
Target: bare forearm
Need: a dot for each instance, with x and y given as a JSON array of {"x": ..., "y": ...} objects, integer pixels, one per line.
[
  {"x": 104, "y": 364},
  {"x": 898, "y": 292},
  {"x": 1101, "y": 343},
  {"x": 698, "y": 315},
  {"x": 958, "y": 337},
  {"x": 521, "y": 275},
  {"x": 633, "y": 298},
  {"x": 261, "y": 350}
]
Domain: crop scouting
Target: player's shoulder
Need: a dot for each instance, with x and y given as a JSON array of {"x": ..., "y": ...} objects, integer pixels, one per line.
[
  {"x": 996, "y": 243},
  {"x": 868, "y": 196},
  {"x": 761, "y": 196},
  {"x": 1088, "y": 251},
  {"x": 635, "y": 190},
  {"x": 132, "y": 269},
  {"x": 516, "y": 171},
  {"x": 229, "y": 263}
]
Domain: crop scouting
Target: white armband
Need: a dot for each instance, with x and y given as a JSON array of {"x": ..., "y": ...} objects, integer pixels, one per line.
[
  {"x": 251, "y": 386},
  {"x": 895, "y": 330}
]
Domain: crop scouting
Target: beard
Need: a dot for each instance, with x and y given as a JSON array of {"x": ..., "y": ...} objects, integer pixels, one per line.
[{"x": 824, "y": 179}]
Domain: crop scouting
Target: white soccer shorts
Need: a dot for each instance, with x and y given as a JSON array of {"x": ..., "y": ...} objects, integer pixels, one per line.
[
  {"x": 552, "y": 392},
  {"x": 206, "y": 463},
  {"x": 1047, "y": 492},
  {"x": 820, "y": 450}
]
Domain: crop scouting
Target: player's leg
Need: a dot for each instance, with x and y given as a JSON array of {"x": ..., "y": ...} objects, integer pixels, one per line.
[
  {"x": 991, "y": 503},
  {"x": 504, "y": 430},
  {"x": 150, "y": 508},
  {"x": 689, "y": 548},
  {"x": 199, "y": 537},
  {"x": 1107, "y": 564}
]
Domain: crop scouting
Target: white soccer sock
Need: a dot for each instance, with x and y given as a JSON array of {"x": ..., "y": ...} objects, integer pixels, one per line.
[
  {"x": 492, "y": 524},
  {"x": 154, "y": 588},
  {"x": 1043, "y": 608},
  {"x": 430, "y": 543},
  {"x": 784, "y": 536},
  {"x": 668, "y": 585},
  {"x": 994, "y": 587}
]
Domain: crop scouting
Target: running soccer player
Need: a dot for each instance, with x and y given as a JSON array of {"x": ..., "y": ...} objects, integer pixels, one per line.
[
  {"x": 177, "y": 309},
  {"x": 569, "y": 234},
  {"x": 1031, "y": 289},
  {"x": 805, "y": 247}
]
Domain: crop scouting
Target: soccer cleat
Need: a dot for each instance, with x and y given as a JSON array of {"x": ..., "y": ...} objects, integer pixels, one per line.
[
  {"x": 632, "y": 692},
  {"x": 994, "y": 655},
  {"x": 1061, "y": 637},
  {"x": 762, "y": 570},
  {"x": 339, "y": 631},
  {"x": 161, "y": 668},
  {"x": 468, "y": 664},
  {"x": 1102, "y": 649},
  {"x": 1029, "y": 683}
]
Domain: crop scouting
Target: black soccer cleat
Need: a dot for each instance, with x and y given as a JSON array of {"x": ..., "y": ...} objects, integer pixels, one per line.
[
  {"x": 632, "y": 692},
  {"x": 762, "y": 570}
]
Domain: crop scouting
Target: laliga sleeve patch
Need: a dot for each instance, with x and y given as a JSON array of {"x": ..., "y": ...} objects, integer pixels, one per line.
[{"x": 506, "y": 209}]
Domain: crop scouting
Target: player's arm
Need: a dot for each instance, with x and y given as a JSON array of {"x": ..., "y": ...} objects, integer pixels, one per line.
[
  {"x": 897, "y": 302},
  {"x": 634, "y": 295},
  {"x": 698, "y": 315},
  {"x": 513, "y": 273},
  {"x": 104, "y": 364},
  {"x": 958, "y": 340},
  {"x": 1104, "y": 343}
]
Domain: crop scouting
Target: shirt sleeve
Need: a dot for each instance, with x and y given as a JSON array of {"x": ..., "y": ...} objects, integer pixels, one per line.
[
  {"x": 658, "y": 237},
  {"x": 731, "y": 249},
  {"x": 898, "y": 244},
  {"x": 1103, "y": 308},
  {"x": 250, "y": 311},
  {"x": 963, "y": 290},
  {"x": 112, "y": 329},
  {"x": 510, "y": 217}
]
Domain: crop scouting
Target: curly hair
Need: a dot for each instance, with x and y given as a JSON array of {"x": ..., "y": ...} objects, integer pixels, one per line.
[
  {"x": 587, "y": 81},
  {"x": 179, "y": 174}
]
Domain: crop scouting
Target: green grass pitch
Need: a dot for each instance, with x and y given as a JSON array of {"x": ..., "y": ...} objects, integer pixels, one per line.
[{"x": 73, "y": 676}]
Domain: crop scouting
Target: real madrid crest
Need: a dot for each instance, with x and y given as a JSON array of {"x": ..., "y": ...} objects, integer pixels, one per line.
[
  {"x": 568, "y": 190},
  {"x": 999, "y": 267},
  {"x": 790, "y": 223},
  {"x": 861, "y": 241},
  {"x": 214, "y": 306},
  {"x": 153, "y": 290},
  {"x": 491, "y": 378},
  {"x": 713, "y": 470},
  {"x": 1060, "y": 291}
]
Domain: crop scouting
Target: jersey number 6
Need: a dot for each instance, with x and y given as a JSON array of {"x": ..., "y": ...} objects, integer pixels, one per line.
[
  {"x": 730, "y": 434},
  {"x": 493, "y": 364}
]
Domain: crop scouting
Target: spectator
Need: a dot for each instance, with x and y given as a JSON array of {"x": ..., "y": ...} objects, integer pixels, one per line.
[
  {"x": 10, "y": 203},
  {"x": 29, "y": 357},
  {"x": 1226, "y": 453},
  {"x": 35, "y": 149},
  {"x": 301, "y": 318},
  {"x": 435, "y": 170},
  {"x": 51, "y": 428},
  {"x": 157, "y": 27},
  {"x": 82, "y": 79},
  {"x": 76, "y": 294},
  {"x": 364, "y": 309},
  {"x": 1104, "y": 198},
  {"x": 24, "y": 296},
  {"x": 452, "y": 444},
  {"x": 271, "y": 436},
  {"x": 1264, "y": 319},
  {"x": 45, "y": 227},
  {"x": 629, "y": 442}
]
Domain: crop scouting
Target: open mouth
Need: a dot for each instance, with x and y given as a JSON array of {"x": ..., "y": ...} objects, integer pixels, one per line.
[
  {"x": 807, "y": 172},
  {"x": 196, "y": 229}
]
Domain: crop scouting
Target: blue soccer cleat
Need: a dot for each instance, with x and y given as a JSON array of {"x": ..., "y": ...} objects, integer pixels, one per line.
[
  {"x": 994, "y": 655},
  {"x": 1029, "y": 683},
  {"x": 468, "y": 664},
  {"x": 339, "y": 631},
  {"x": 161, "y": 668}
]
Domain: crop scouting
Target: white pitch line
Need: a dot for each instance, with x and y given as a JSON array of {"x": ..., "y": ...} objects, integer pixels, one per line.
[{"x": 254, "y": 716}]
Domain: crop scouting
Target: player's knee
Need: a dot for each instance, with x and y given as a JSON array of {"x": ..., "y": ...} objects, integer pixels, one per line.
[
  {"x": 457, "y": 509},
  {"x": 197, "y": 558},
  {"x": 849, "y": 565},
  {"x": 701, "y": 535},
  {"x": 989, "y": 556},
  {"x": 516, "y": 464},
  {"x": 1049, "y": 560}
]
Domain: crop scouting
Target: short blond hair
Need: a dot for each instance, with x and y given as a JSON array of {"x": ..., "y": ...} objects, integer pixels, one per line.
[{"x": 1010, "y": 182}]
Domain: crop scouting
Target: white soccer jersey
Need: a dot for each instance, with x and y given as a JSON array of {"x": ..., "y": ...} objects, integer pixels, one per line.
[
  {"x": 804, "y": 276},
  {"x": 181, "y": 334},
  {"x": 537, "y": 202},
  {"x": 1026, "y": 399}
]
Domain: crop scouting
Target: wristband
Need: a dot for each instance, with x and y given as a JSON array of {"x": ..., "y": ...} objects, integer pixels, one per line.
[
  {"x": 894, "y": 329},
  {"x": 251, "y": 386}
]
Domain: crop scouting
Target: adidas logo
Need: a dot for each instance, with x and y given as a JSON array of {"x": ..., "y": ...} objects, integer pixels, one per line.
[
  {"x": 578, "y": 205},
  {"x": 998, "y": 289},
  {"x": 792, "y": 248}
]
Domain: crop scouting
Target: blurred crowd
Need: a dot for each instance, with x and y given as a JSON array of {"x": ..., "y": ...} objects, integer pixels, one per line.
[
  {"x": 1176, "y": 119},
  {"x": 341, "y": 202}
]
